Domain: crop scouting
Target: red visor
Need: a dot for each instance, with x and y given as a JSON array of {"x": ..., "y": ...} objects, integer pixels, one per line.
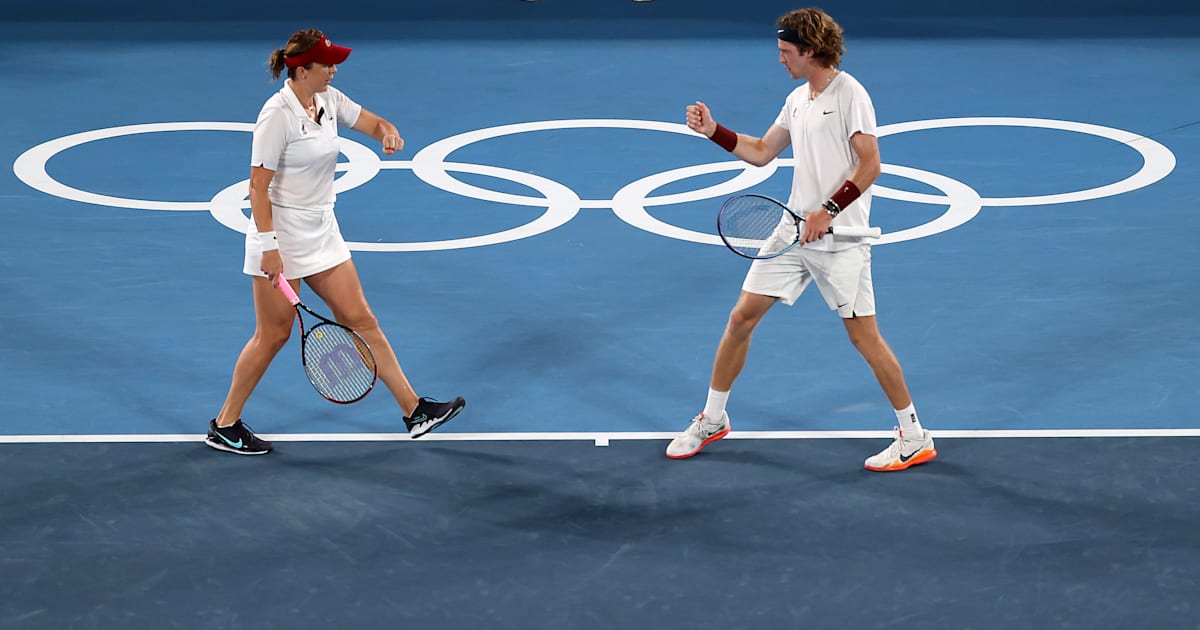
[{"x": 321, "y": 52}]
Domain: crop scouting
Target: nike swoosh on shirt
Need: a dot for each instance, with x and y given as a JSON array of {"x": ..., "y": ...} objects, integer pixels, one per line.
[{"x": 829, "y": 112}]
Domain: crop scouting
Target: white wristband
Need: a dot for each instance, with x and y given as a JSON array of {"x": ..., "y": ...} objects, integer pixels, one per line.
[{"x": 268, "y": 241}]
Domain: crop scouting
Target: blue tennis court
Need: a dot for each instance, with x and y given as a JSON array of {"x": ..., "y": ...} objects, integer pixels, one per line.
[{"x": 545, "y": 247}]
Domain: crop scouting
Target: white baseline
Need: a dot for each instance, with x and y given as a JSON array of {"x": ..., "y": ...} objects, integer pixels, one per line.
[{"x": 599, "y": 438}]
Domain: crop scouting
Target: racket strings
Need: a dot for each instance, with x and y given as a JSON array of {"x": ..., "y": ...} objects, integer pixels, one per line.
[
  {"x": 338, "y": 362},
  {"x": 747, "y": 224}
]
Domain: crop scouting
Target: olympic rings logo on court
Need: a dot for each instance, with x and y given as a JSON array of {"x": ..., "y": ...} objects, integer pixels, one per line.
[{"x": 629, "y": 203}]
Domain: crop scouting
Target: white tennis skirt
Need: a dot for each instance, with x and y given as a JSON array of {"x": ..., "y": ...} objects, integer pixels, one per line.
[{"x": 309, "y": 242}]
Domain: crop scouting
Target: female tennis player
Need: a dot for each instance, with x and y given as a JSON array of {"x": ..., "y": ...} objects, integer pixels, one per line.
[{"x": 293, "y": 230}]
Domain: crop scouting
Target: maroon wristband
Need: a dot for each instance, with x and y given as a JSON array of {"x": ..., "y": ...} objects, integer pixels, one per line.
[
  {"x": 724, "y": 138},
  {"x": 845, "y": 195}
]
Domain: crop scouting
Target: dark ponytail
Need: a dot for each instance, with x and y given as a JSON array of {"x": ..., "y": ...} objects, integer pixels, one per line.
[
  {"x": 299, "y": 42},
  {"x": 275, "y": 63}
]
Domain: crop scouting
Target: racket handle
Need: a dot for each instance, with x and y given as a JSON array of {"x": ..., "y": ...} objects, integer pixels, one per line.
[
  {"x": 864, "y": 232},
  {"x": 286, "y": 289}
]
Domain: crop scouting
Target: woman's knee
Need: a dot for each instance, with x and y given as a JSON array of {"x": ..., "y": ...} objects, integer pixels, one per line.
[
  {"x": 273, "y": 335},
  {"x": 357, "y": 318}
]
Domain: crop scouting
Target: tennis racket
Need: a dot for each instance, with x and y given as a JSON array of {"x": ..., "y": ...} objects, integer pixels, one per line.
[
  {"x": 338, "y": 362},
  {"x": 748, "y": 223}
]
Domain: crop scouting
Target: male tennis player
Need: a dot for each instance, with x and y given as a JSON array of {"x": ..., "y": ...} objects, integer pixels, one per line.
[{"x": 830, "y": 123}]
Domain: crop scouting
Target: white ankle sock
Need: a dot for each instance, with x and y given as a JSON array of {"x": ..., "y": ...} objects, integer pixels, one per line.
[
  {"x": 714, "y": 409},
  {"x": 910, "y": 426}
]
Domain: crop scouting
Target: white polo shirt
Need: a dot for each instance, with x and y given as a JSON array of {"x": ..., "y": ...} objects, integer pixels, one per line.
[
  {"x": 820, "y": 130},
  {"x": 302, "y": 153}
]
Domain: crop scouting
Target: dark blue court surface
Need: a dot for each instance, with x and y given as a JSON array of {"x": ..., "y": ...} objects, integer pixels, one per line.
[
  {"x": 1064, "y": 533},
  {"x": 544, "y": 246}
]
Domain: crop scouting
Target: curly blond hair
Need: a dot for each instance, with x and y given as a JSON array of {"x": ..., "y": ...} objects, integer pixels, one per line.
[{"x": 821, "y": 34}]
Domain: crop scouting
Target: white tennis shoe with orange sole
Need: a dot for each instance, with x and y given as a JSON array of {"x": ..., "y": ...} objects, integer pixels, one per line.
[
  {"x": 903, "y": 453},
  {"x": 700, "y": 433}
]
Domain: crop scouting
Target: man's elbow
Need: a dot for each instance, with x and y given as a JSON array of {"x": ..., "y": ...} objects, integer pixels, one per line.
[
  {"x": 871, "y": 173},
  {"x": 759, "y": 160}
]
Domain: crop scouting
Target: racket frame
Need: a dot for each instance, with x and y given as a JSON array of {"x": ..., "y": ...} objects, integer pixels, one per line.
[
  {"x": 290, "y": 294},
  {"x": 858, "y": 232}
]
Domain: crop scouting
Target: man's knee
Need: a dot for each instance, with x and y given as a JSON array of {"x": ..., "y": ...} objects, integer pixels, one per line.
[
  {"x": 865, "y": 337},
  {"x": 742, "y": 321}
]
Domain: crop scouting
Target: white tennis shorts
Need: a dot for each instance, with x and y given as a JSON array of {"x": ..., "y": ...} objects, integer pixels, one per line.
[
  {"x": 843, "y": 278},
  {"x": 309, "y": 242}
]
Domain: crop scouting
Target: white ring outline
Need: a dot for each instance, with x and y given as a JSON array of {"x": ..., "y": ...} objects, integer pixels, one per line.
[
  {"x": 964, "y": 202},
  {"x": 427, "y": 162},
  {"x": 30, "y": 166},
  {"x": 227, "y": 207},
  {"x": 1157, "y": 159}
]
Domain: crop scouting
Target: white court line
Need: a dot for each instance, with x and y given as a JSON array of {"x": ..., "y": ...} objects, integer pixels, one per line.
[{"x": 600, "y": 439}]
